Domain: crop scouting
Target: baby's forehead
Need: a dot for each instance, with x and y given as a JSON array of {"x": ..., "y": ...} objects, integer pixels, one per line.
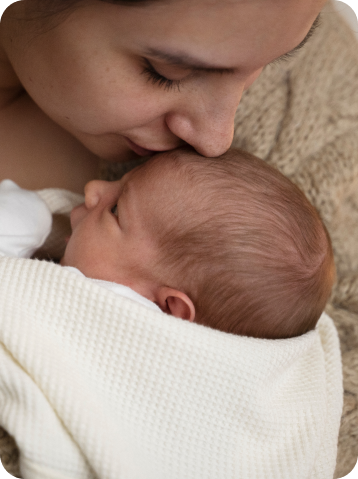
[
  {"x": 163, "y": 169},
  {"x": 166, "y": 184}
]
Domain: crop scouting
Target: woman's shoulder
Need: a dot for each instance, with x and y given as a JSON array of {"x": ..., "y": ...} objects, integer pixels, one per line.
[{"x": 35, "y": 151}]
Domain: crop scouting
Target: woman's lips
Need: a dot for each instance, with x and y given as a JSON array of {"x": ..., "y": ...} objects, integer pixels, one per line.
[{"x": 139, "y": 150}]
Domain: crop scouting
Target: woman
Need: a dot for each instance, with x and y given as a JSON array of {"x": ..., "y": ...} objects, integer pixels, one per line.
[{"x": 83, "y": 80}]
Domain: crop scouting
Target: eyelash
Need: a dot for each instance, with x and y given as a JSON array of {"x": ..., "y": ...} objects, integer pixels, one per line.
[{"x": 158, "y": 79}]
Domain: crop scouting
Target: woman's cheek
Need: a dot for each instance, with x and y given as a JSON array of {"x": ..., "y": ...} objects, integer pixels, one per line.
[{"x": 143, "y": 104}]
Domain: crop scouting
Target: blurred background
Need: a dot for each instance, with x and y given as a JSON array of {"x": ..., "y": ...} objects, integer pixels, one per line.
[{"x": 348, "y": 14}]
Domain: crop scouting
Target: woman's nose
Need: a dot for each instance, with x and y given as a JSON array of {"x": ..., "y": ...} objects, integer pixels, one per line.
[
  {"x": 94, "y": 190},
  {"x": 208, "y": 125}
]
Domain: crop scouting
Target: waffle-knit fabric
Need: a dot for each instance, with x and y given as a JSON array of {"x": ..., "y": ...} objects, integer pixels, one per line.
[{"x": 94, "y": 385}]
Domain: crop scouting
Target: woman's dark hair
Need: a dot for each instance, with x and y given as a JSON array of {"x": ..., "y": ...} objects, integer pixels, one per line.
[
  {"x": 128, "y": 2},
  {"x": 58, "y": 6},
  {"x": 53, "y": 12}
]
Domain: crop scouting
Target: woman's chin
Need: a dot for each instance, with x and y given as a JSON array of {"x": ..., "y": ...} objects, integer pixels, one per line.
[
  {"x": 123, "y": 157},
  {"x": 108, "y": 147}
]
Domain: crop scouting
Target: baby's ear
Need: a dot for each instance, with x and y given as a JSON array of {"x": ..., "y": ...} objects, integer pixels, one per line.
[{"x": 176, "y": 303}]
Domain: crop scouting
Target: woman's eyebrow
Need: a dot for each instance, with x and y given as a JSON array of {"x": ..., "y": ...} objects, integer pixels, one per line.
[{"x": 292, "y": 52}]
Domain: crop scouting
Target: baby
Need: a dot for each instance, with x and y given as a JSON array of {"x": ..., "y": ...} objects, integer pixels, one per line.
[{"x": 226, "y": 242}]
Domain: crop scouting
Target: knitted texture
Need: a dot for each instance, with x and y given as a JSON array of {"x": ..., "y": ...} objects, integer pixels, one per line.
[{"x": 93, "y": 385}]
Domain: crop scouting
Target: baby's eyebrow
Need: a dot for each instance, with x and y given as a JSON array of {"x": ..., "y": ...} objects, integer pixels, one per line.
[{"x": 292, "y": 52}]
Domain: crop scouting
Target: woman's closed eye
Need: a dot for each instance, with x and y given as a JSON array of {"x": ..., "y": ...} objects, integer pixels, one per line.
[{"x": 158, "y": 79}]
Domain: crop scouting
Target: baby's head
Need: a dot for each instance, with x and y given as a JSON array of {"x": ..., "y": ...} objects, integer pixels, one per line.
[{"x": 228, "y": 242}]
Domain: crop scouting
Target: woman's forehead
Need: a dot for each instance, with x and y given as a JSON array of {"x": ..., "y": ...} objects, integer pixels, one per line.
[{"x": 221, "y": 33}]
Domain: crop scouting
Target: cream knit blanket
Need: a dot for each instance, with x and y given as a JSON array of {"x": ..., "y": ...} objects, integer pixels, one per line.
[{"x": 95, "y": 385}]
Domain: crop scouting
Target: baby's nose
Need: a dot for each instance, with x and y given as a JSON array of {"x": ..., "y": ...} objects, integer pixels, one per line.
[{"x": 93, "y": 192}]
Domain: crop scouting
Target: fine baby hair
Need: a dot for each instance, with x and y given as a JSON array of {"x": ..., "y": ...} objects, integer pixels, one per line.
[{"x": 245, "y": 244}]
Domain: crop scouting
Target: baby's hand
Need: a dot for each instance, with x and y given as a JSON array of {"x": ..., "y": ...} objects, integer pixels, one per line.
[{"x": 25, "y": 220}]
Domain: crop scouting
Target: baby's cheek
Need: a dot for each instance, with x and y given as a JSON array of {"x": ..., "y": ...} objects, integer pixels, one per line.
[
  {"x": 77, "y": 214},
  {"x": 69, "y": 256}
]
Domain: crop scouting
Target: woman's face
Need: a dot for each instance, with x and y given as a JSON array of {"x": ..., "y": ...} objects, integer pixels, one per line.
[{"x": 124, "y": 80}]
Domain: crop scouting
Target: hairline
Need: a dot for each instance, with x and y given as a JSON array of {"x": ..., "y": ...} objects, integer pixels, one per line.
[{"x": 292, "y": 52}]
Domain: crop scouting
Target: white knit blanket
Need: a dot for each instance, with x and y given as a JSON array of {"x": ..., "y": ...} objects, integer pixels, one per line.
[{"x": 93, "y": 385}]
